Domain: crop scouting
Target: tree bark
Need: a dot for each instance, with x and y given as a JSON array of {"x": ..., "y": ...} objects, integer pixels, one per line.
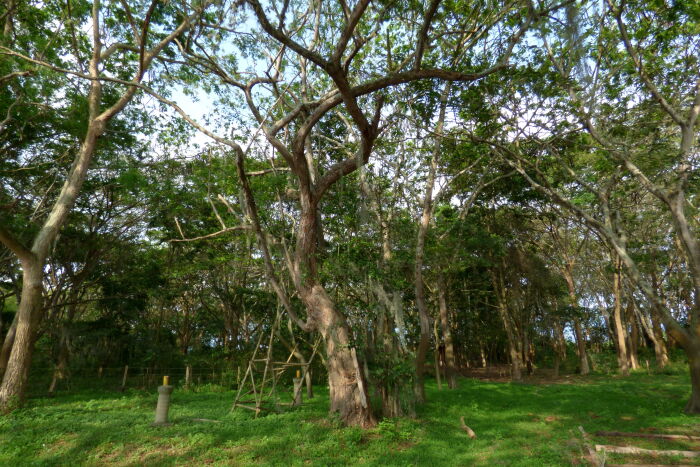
[
  {"x": 348, "y": 386},
  {"x": 559, "y": 346},
  {"x": 618, "y": 328},
  {"x": 423, "y": 228},
  {"x": 514, "y": 350},
  {"x": 660, "y": 348},
  {"x": 7, "y": 344},
  {"x": 14, "y": 382},
  {"x": 450, "y": 367},
  {"x": 578, "y": 331},
  {"x": 633, "y": 336},
  {"x": 693, "y": 353}
]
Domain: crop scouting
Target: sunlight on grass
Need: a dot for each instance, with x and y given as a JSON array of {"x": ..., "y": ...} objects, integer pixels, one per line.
[{"x": 516, "y": 425}]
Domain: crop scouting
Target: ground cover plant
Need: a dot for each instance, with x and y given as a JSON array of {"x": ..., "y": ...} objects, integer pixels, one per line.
[{"x": 517, "y": 424}]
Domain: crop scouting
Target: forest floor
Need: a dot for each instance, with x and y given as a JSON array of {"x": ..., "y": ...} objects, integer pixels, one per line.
[{"x": 516, "y": 425}]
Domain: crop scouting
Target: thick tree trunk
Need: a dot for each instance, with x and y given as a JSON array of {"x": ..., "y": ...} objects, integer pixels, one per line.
[
  {"x": 450, "y": 367},
  {"x": 348, "y": 386},
  {"x": 14, "y": 382}
]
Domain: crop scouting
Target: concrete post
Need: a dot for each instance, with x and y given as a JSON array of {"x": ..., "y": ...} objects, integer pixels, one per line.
[
  {"x": 163, "y": 405},
  {"x": 297, "y": 391}
]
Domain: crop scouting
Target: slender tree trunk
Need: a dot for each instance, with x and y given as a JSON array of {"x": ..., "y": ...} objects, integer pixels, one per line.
[
  {"x": 7, "y": 344},
  {"x": 420, "y": 251},
  {"x": 618, "y": 328},
  {"x": 581, "y": 347},
  {"x": 633, "y": 336},
  {"x": 513, "y": 342},
  {"x": 482, "y": 354},
  {"x": 450, "y": 368},
  {"x": 693, "y": 353},
  {"x": 14, "y": 382},
  {"x": 438, "y": 371},
  {"x": 578, "y": 331},
  {"x": 59, "y": 372},
  {"x": 559, "y": 346},
  {"x": 660, "y": 348}
]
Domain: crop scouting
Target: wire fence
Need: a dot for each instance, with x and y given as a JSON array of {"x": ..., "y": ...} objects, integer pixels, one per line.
[{"x": 143, "y": 378}]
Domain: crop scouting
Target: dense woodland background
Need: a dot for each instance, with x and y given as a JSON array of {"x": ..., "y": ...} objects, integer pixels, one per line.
[{"x": 438, "y": 185}]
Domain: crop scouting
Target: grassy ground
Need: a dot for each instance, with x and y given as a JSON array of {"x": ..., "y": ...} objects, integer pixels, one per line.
[{"x": 516, "y": 424}]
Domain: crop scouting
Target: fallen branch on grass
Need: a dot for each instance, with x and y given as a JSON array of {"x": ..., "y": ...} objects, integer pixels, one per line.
[
  {"x": 647, "y": 435},
  {"x": 468, "y": 430},
  {"x": 651, "y": 452},
  {"x": 648, "y": 465}
]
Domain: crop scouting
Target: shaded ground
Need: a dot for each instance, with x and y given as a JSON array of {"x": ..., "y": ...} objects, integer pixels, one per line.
[{"x": 516, "y": 425}]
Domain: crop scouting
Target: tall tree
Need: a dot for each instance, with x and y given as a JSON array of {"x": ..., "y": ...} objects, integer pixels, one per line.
[{"x": 102, "y": 107}]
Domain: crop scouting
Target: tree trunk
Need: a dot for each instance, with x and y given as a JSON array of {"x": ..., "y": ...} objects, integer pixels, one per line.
[
  {"x": 578, "y": 332},
  {"x": 450, "y": 367},
  {"x": 559, "y": 347},
  {"x": 618, "y": 328},
  {"x": 423, "y": 227},
  {"x": 633, "y": 336},
  {"x": 513, "y": 342},
  {"x": 59, "y": 372},
  {"x": 581, "y": 347},
  {"x": 660, "y": 348},
  {"x": 693, "y": 353},
  {"x": 7, "y": 345},
  {"x": 14, "y": 382},
  {"x": 348, "y": 387}
]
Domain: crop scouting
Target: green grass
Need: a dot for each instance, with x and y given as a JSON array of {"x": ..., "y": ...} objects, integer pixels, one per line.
[{"x": 516, "y": 425}]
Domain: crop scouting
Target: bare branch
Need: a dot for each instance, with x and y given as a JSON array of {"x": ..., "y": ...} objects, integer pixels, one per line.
[
  {"x": 423, "y": 34},
  {"x": 214, "y": 234}
]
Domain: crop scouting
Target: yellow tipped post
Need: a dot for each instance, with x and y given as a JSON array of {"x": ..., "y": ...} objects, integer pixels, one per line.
[{"x": 163, "y": 405}]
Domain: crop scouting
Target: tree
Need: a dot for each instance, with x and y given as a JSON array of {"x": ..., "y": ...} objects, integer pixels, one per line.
[
  {"x": 131, "y": 55},
  {"x": 623, "y": 110}
]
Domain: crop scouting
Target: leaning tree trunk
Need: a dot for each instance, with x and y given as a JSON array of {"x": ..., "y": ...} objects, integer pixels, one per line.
[
  {"x": 348, "y": 386},
  {"x": 14, "y": 382}
]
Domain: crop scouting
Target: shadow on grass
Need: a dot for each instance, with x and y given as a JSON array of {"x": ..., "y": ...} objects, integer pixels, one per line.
[{"x": 516, "y": 424}]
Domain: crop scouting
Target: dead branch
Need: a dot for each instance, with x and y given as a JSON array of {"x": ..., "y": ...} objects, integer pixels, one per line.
[
  {"x": 466, "y": 429},
  {"x": 214, "y": 234},
  {"x": 649, "y": 452},
  {"x": 647, "y": 435}
]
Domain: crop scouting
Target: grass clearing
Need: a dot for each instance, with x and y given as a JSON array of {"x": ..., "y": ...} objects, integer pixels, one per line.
[{"x": 516, "y": 425}]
